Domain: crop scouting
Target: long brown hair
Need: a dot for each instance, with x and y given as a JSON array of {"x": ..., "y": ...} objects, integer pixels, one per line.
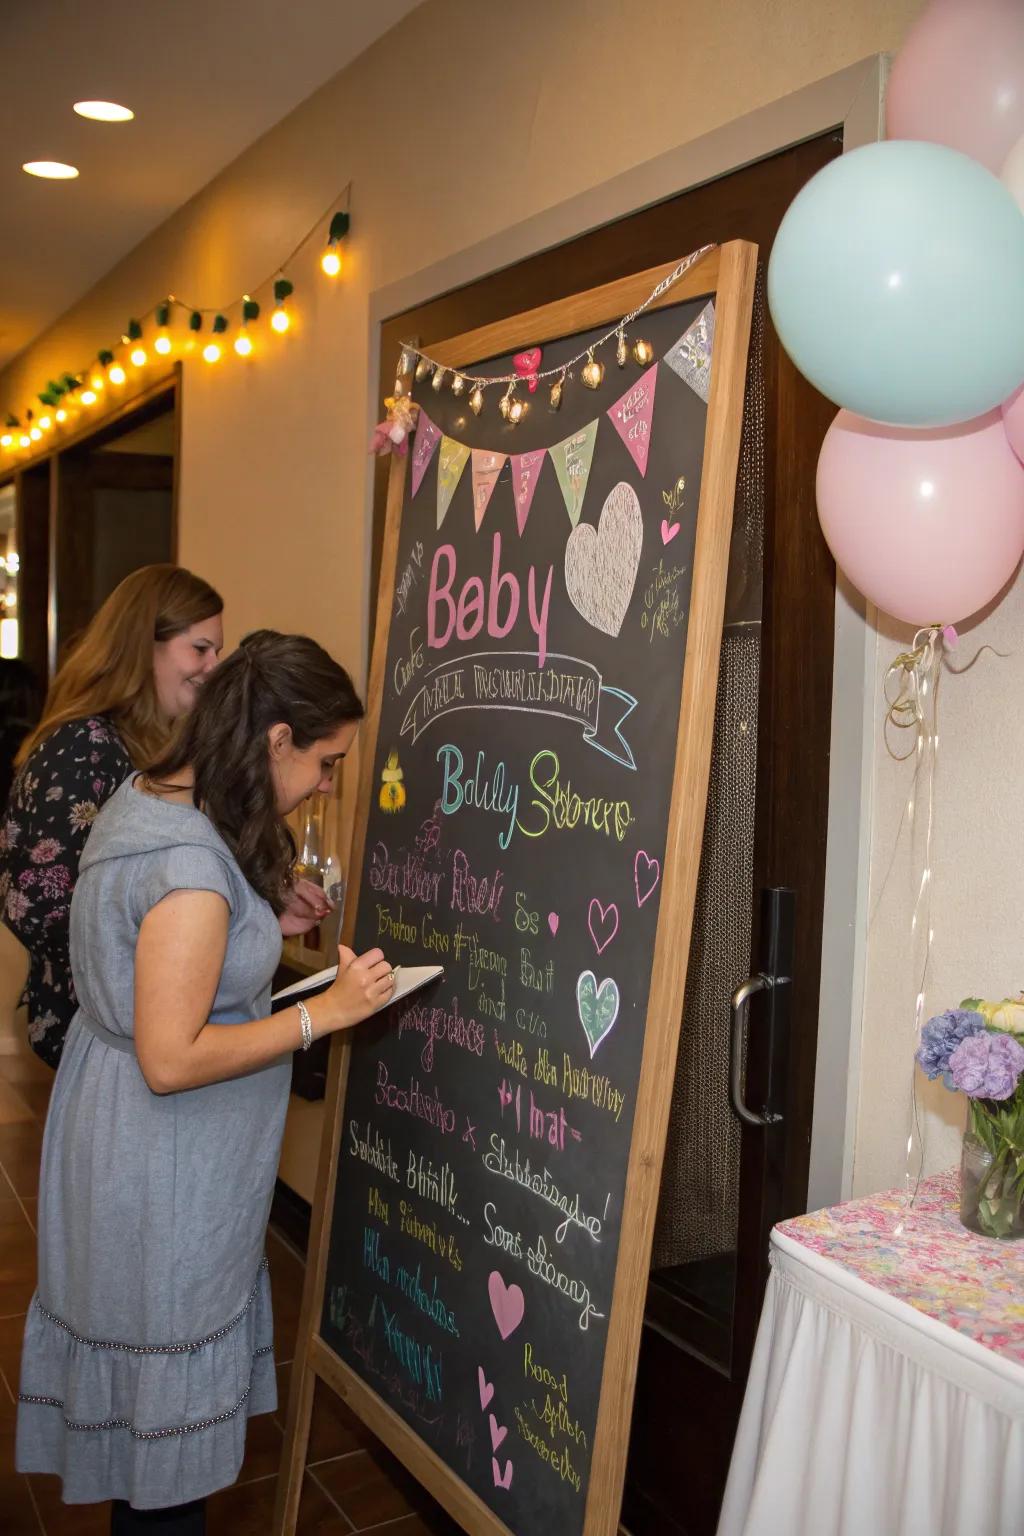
[
  {"x": 109, "y": 670},
  {"x": 270, "y": 680}
]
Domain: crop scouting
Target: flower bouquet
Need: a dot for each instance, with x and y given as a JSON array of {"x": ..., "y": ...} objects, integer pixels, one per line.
[{"x": 975, "y": 1049}]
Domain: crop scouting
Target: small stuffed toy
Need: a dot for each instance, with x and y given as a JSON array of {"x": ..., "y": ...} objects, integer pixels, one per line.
[{"x": 392, "y": 434}]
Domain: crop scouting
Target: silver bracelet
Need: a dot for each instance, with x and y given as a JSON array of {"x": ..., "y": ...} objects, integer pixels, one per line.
[{"x": 307, "y": 1026}]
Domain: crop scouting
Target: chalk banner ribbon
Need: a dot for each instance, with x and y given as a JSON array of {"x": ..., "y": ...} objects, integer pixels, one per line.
[{"x": 564, "y": 686}]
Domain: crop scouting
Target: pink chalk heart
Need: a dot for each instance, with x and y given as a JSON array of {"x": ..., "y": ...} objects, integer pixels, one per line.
[
  {"x": 507, "y": 1304},
  {"x": 603, "y": 923},
  {"x": 498, "y": 1431},
  {"x": 646, "y": 874},
  {"x": 486, "y": 1388},
  {"x": 553, "y": 923},
  {"x": 668, "y": 530},
  {"x": 501, "y": 1480}
]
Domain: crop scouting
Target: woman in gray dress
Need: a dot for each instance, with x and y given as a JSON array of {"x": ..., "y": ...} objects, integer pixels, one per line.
[{"x": 149, "y": 1342}]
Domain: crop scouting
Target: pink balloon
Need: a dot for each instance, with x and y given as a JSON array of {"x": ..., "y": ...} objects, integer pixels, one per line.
[
  {"x": 927, "y": 524},
  {"x": 959, "y": 79},
  {"x": 1013, "y": 421}
]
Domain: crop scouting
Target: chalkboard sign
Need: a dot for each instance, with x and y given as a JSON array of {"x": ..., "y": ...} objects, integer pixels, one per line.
[{"x": 542, "y": 701}]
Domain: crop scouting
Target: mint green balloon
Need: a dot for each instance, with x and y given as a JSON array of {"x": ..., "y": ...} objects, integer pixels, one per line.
[{"x": 896, "y": 284}]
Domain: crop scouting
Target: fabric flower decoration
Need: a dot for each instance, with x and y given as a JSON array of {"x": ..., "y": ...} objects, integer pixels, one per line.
[
  {"x": 940, "y": 1038},
  {"x": 987, "y": 1066}
]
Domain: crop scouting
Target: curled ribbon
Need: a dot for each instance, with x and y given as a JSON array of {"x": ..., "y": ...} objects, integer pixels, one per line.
[{"x": 392, "y": 434}]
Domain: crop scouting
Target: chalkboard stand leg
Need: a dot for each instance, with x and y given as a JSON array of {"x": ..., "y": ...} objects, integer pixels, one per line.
[{"x": 296, "y": 1439}]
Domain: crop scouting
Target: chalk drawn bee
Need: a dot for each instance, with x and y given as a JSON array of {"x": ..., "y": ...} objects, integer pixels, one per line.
[{"x": 392, "y": 790}]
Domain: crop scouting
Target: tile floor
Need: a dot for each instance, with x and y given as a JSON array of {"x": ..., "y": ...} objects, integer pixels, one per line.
[{"x": 352, "y": 1483}]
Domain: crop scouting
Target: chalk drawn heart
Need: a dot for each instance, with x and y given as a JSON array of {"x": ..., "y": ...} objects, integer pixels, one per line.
[
  {"x": 598, "y": 1007},
  {"x": 646, "y": 874},
  {"x": 498, "y": 1431},
  {"x": 668, "y": 530},
  {"x": 486, "y": 1388},
  {"x": 507, "y": 1304},
  {"x": 603, "y": 923},
  {"x": 499, "y": 1480},
  {"x": 553, "y": 923},
  {"x": 601, "y": 563}
]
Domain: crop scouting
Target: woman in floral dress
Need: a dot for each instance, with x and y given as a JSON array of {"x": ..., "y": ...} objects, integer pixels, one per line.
[{"x": 137, "y": 669}]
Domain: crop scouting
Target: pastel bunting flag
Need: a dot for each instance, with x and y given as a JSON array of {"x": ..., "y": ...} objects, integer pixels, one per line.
[
  {"x": 526, "y": 468},
  {"x": 486, "y": 469},
  {"x": 572, "y": 458},
  {"x": 427, "y": 438},
  {"x": 690, "y": 357},
  {"x": 631, "y": 416},
  {"x": 450, "y": 464}
]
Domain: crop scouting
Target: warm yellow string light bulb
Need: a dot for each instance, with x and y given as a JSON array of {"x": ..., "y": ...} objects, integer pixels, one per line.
[
  {"x": 60, "y": 415},
  {"x": 211, "y": 352},
  {"x": 162, "y": 344},
  {"x": 139, "y": 358},
  {"x": 46, "y": 422},
  {"x": 330, "y": 261},
  {"x": 35, "y": 434},
  {"x": 243, "y": 343},
  {"x": 280, "y": 320},
  {"x": 116, "y": 374},
  {"x": 7, "y": 440},
  {"x": 89, "y": 397},
  {"x": 96, "y": 382},
  {"x": 24, "y": 441}
]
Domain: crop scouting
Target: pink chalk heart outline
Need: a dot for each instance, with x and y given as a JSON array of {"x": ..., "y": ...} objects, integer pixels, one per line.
[
  {"x": 486, "y": 1388},
  {"x": 668, "y": 530},
  {"x": 501, "y": 1481},
  {"x": 648, "y": 880},
  {"x": 604, "y": 915},
  {"x": 507, "y": 1304},
  {"x": 498, "y": 1431},
  {"x": 553, "y": 923}
]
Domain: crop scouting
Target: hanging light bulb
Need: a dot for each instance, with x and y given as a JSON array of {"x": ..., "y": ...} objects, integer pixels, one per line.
[
  {"x": 330, "y": 261},
  {"x": 592, "y": 372},
  {"x": 556, "y": 393},
  {"x": 517, "y": 409},
  {"x": 89, "y": 397},
  {"x": 24, "y": 441},
  {"x": 406, "y": 361},
  {"x": 96, "y": 382},
  {"x": 243, "y": 341},
  {"x": 116, "y": 374},
  {"x": 46, "y": 423},
  {"x": 60, "y": 414},
  {"x": 505, "y": 403},
  {"x": 7, "y": 440},
  {"x": 476, "y": 400},
  {"x": 643, "y": 352},
  {"x": 35, "y": 434},
  {"x": 437, "y": 380},
  {"x": 621, "y": 350},
  {"x": 134, "y": 339},
  {"x": 280, "y": 320},
  {"x": 211, "y": 352},
  {"x": 423, "y": 367},
  {"x": 458, "y": 384},
  {"x": 162, "y": 344}
]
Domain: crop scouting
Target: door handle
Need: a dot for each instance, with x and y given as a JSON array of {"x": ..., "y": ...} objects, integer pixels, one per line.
[{"x": 740, "y": 1010}]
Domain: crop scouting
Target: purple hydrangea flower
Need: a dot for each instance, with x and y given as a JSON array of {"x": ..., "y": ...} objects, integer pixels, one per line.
[
  {"x": 987, "y": 1066},
  {"x": 941, "y": 1036}
]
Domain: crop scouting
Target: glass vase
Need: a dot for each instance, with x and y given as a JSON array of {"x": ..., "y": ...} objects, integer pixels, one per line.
[{"x": 991, "y": 1196}]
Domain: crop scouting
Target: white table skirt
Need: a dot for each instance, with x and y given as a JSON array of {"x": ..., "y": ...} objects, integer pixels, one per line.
[{"x": 864, "y": 1417}]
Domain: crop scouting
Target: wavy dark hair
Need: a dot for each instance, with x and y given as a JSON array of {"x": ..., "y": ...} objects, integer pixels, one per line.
[{"x": 271, "y": 679}]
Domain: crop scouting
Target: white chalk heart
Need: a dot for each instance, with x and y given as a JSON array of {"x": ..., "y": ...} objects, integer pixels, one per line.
[{"x": 601, "y": 563}]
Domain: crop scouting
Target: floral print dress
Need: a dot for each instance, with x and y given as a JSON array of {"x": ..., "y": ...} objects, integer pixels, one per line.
[{"x": 53, "y": 803}]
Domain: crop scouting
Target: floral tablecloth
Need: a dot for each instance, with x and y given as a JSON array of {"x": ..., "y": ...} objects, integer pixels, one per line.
[{"x": 922, "y": 1255}]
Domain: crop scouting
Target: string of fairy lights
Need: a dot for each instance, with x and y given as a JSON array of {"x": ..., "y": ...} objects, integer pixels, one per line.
[
  {"x": 513, "y": 407},
  {"x": 171, "y": 329}
]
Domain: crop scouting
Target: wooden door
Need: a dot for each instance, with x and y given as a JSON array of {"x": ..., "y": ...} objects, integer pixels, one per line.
[{"x": 763, "y": 862}]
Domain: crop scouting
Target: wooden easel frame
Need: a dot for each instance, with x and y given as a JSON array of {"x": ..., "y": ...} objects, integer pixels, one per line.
[{"x": 728, "y": 272}]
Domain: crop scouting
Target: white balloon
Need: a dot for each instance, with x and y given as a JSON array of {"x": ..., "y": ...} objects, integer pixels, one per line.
[{"x": 1012, "y": 173}]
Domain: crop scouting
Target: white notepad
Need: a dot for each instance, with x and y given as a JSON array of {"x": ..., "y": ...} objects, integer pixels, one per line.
[{"x": 408, "y": 978}]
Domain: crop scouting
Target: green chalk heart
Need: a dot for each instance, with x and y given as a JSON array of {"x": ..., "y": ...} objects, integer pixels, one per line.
[{"x": 598, "y": 1006}]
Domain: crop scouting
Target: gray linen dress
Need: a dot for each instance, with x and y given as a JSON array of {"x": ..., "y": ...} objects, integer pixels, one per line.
[{"x": 149, "y": 1341}]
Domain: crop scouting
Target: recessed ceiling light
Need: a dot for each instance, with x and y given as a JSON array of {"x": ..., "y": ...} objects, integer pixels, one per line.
[
  {"x": 53, "y": 170},
  {"x": 104, "y": 111}
]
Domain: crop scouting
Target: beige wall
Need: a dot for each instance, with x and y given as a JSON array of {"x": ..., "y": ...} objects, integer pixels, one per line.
[{"x": 468, "y": 119}]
